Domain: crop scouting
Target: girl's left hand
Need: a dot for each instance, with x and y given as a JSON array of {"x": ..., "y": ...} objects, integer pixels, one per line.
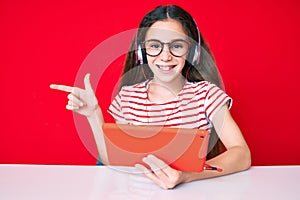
[{"x": 160, "y": 173}]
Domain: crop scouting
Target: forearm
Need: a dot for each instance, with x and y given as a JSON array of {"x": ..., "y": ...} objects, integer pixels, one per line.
[
  {"x": 233, "y": 160},
  {"x": 96, "y": 121}
]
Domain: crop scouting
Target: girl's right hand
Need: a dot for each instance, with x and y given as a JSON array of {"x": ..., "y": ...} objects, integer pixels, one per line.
[{"x": 82, "y": 101}]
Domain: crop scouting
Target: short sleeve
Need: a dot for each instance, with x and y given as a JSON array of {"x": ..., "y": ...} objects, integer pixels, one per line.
[
  {"x": 115, "y": 108},
  {"x": 215, "y": 99}
]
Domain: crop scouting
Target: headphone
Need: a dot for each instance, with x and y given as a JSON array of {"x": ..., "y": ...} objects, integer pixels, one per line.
[{"x": 141, "y": 57}]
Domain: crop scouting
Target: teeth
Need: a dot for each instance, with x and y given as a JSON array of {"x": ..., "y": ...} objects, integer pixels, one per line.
[{"x": 165, "y": 68}]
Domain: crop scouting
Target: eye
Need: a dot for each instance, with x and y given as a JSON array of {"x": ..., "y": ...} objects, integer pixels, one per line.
[
  {"x": 179, "y": 44},
  {"x": 155, "y": 46},
  {"x": 176, "y": 46}
]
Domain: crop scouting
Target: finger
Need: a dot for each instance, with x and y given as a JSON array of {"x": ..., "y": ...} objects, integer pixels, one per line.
[
  {"x": 75, "y": 100},
  {"x": 157, "y": 162},
  {"x": 168, "y": 171},
  {"x": 72, "y": 108},
  {"x": 64, "y": 88},
  {"x": 73, "y": 105},
  {"x": 148, "y": 173},
  {"x": 87, "y": 82},
  {"x": 157, "y": 167}
]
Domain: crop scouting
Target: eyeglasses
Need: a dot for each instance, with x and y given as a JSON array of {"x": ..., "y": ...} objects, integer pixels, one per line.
[{"x": 176, "y": 47}]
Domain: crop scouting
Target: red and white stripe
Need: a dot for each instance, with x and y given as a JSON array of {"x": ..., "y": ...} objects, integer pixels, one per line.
[{"x": 194, "y": 106}]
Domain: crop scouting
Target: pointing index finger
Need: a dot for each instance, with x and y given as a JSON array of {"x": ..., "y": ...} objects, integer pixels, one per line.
[{"x": 64, "y": 88}]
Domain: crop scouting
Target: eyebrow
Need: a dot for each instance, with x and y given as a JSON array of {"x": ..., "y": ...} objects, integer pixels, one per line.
[{"x": 183, "y": 39}]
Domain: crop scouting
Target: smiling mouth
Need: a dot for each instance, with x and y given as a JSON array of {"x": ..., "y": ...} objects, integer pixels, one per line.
[{"x": 166, "y": 67}]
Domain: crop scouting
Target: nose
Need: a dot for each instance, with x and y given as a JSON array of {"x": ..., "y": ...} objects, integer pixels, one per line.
[{"x": 165, "y": 54}]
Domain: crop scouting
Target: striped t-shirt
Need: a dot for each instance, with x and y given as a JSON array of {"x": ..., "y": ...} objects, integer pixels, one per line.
[{"x": 194, "y": 106}]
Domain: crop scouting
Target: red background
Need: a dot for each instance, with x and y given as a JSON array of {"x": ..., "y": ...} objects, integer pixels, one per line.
[{"x": 256, "y": 45}]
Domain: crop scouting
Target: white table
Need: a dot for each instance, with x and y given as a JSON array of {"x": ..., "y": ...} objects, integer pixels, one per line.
[{"x": 44, "y": 182}]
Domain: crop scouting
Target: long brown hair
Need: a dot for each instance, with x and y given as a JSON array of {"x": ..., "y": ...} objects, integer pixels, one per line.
[{"x": 206, "y": 69}]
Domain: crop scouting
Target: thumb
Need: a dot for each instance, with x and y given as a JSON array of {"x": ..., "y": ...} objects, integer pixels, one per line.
[{"x": 87, "y": 82}]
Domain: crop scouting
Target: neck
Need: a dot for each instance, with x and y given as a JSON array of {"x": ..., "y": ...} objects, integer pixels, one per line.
[{"x": 160, "y": 91}]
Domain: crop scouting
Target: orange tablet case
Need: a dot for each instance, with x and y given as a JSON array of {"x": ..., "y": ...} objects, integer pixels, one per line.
[{"x": 182, "y": 149}]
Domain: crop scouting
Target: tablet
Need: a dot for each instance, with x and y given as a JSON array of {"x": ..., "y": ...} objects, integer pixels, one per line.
[{"x": 182, "y": 149}]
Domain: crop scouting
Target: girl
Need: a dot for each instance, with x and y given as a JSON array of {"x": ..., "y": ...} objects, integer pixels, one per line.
[{"x": 169, "y": 79}]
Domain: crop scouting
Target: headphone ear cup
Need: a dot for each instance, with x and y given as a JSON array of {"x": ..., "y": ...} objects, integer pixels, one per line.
[
  {"x": 139, "y": 55},
  {"x": 196, "y": 57}
]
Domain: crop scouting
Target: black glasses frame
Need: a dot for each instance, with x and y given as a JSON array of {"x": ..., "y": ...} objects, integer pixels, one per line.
[{"x": 163, "y": 46}]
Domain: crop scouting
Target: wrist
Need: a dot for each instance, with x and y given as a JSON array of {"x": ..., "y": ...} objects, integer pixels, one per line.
[
  {"x": 95, "y": 113},
  {"x": 186, "y": 177}
]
